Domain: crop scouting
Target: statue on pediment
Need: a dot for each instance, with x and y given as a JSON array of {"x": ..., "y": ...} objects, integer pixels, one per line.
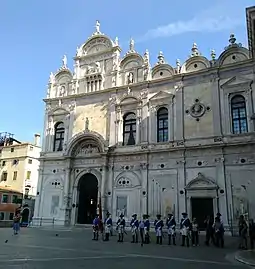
[{"x": 130, "y": 78}]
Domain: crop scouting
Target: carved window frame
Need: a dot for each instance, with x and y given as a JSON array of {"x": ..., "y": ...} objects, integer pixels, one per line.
[
  {"x": 131, "y": 106},
  {"x": 154, "y": 106},
  {"x": 59, "y": 131},
  {"x": 228, "y": 92}
]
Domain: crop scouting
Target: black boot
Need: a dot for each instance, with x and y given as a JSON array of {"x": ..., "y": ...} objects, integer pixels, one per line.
[
  {"x": 122, "y": 238},
  {"x": 106, "y": 237},
  {"x": 183, "y": 240},
  {"x": 136, "y": 238},
  {"x": 119, "y": 238},
  {"x": 174, "y": 241},
  {"x": 157, "y": 239},
  {"x": 169, "y": 239},
  {"x": 133, "y": 239},
  {"x": 94, "y": 236},
  {"x": 160, "y": 240}
]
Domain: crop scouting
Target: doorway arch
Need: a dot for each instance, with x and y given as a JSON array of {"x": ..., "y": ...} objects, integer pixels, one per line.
[{"x": 87, "y": 198}]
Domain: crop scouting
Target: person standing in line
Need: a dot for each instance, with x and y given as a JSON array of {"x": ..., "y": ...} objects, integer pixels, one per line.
[
  {"x": 185, "y": 228},
  {"x": 171, "y": 224},
  {"x": 134, "y": 228},
  {"x": 195, "y": 233},
  {"x": 158, "y": 223},
  {"x": 107, "y": 226},
  {"x": 121, "y": 224},
  {"x": 252, "y": 233},
  {"x": 219, "y": 233},
  {"x": 16, "y": 223},
  {"x": 95, "y": 227},
  {"x": 209, "y": 222},
  {"x": 147, "y": 229},
  {"x": 243, "y": 229},
  {"x": 141, "y": 229}
]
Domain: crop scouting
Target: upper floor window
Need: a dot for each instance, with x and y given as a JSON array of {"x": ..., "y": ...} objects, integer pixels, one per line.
[
  {"x": 59, "y": 136},
  {"x": 129, "y": 129},
  {"x": 162, "y": 125},
  {"x": 15, "y": 175},
  {"x": 28, "y": 175},
  {"x": 4, "y": 176},
  {"x": 239, "y": 115}
]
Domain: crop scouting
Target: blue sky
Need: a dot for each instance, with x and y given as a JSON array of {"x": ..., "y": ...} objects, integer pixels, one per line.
[{"x": 36, "y": 34}]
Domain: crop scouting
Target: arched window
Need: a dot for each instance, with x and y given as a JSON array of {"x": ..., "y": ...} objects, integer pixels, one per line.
[
  {"x": 239, "y": 116},
  {"x": 59, "y": 136},
  {"x": 129, "y": 129},
  {"x": 162, "y": 125}
]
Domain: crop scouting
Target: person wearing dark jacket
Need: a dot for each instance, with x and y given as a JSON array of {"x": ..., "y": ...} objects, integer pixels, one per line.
[
  {"x": 218, "y": 232},
  {"x": 209, "y": 230},
  {"x": 243, "y": 229},
  {"x": 252, "y": 233}
]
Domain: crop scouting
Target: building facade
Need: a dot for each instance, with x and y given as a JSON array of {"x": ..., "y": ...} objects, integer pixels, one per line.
[
  {"x": 19, "y": 164},
  {"x": 137, "y": 138}
]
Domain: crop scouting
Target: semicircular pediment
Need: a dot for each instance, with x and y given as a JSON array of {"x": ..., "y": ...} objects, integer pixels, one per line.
[
  {"x": 97, "y": 44},
  {"x": 201, "y": 182},
  {"x": 85, "y": 148}
]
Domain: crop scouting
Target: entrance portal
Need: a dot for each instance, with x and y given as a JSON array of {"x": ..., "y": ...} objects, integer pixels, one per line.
[
  {"x": 87, "y": 205},
  {"x": 201, "y": 208}
]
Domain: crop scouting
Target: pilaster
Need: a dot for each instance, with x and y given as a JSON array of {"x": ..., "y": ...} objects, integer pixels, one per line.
[
  {"x": 144, "y": 195},
  {"x": 179, "y": 97}
]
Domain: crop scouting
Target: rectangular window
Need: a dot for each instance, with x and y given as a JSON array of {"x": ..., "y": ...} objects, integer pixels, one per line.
[
  {"x": 14, "y": 199},
  {"x": 28, "y": 174},
  {"x": 4, "y": 176},
  {"x": 3, "y": 163},
  {"x": 15, "y": 175},
  {"x": 30, "y": 161},
  {"x": 4, "y": 198},
  {"x": 11, "y": 215},
  {"x": 15, "y": 162},
  {"x": 1, "y": 215},
  {"x": 12, "y": 149}
]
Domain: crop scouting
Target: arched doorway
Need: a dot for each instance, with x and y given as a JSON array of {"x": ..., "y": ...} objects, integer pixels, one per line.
[{"x": 87, "y": 195}]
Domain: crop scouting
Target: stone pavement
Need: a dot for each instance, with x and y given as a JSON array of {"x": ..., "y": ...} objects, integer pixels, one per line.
[
  {"x": 246, "y": 257},
  {"x": 38, "y": 248}
]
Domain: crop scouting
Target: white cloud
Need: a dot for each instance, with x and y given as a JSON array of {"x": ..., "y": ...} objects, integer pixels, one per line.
[{"x": 212, "y": 20}]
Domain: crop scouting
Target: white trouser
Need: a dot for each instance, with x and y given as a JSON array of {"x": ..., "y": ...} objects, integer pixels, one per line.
[
  {"x": 134, "y": 230},
  {"x": 107, "y": 228},
  {"x": 171, "y": 231},
  {"x": 158, "y": 232},
  {"x": 121, "y": 229}
]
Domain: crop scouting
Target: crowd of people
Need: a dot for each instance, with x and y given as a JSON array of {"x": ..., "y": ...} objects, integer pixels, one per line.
[{"x": 189, "y": 230}]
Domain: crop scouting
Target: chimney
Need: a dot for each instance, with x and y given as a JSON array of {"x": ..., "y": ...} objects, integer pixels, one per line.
[{"x": 37, "y": 140}]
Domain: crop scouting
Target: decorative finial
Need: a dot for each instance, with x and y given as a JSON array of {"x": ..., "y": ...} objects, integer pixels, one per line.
[
  {"x": 178, "y": 64},
  {"x": 161, "y": 58},
  {"x": 213, "y": 55},
  {"x": 195, "y": 51},
  {"x": 232, "y": 39},
  {"x": 116, "y": 41},
  {"x": 132, "y": 45},
  {"x": 98, "y": 27},
  {"x": 64, "y": 61},
  {"x": 52, "y": 78},
  {"x": 146, "y": 57}
]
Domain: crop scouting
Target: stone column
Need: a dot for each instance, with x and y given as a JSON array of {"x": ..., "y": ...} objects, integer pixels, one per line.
[
  {"x": 39, "y": 197},
  {"x": 179, "y": 132},
  {"x": 103, "y": 192},
  {"x": 224, "y": 199},
  {"x": 181, "y": 186},
  {"x": 215, "y": 106},
  {"x": 170, "y": 121},
  {"x": 138, "y": 126},
  {"x": 153, "y": 125},
  {"x": 249, "y": 109},
  {"x": 144, "y": 198},
  {"x": 45, "y": 127}
]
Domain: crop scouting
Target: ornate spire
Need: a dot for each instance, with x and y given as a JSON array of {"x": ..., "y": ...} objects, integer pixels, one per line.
[
  {"x": 132, "y": 45},
  {"x": 64, "y": 62},
  {"x": 232, "y": 42},
  {"x": 52, "y": 78},
  {"x": 213, "y": 55},
  {"x": 146, "y": 57},
  {"x": 178, "y": 66},
  {"x": 161, "y": 58},
  {"x": 194, "y": 50},
  {"x": 116, "y": 43},
  {"x": 232, "y": 39}
]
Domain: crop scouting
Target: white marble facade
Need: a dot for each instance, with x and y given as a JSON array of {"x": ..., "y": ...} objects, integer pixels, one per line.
[{"x": 192, "y": 132}]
